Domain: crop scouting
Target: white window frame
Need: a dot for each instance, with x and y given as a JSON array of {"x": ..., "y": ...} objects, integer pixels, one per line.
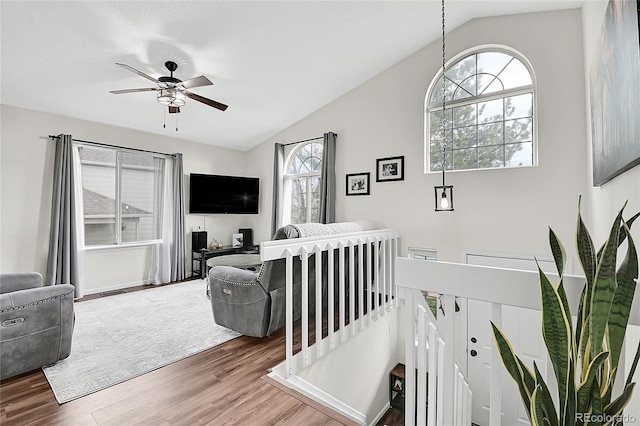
[
  {"x": 118, "y": 166},
  {"x": 482, "y": 98},
  {"x": 288, "y": 178}
]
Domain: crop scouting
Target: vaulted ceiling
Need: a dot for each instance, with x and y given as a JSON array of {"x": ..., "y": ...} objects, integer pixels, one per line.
[{"x": 272, "y": 62}]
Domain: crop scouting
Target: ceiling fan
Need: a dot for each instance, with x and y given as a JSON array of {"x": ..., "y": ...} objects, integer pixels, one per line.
[{"x": 172, "y": 91}]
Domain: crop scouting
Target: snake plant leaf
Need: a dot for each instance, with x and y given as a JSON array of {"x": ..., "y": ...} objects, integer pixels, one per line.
[
  {"x": 513, "y": 366},
  {"x": 587, "y": 256},
  {"x": 537, "y": 408},
  {"x": 604, "y": 288},
  {"x": 622, "y": 237},
  {"x": 596, "y": 402},
  {"x": 570, "y": 408},
  {"x": 634, "y": 365},
  {"x": 548, "y": 407},
  {"x": 622, "y": 298},
  {"x": 565, "y": 306},
  {"x": 584, "y": 389},
  {"x": 556, "y": 330},
  {"x": 580, "y": 324},
  {"x": 616, "y": 406},
  {"x": 557, "y": 250},
  {"x": 527, "y": 377}
]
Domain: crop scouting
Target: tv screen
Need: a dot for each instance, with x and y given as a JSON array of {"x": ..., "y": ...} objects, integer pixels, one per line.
[{"x": 223, "y": 194}]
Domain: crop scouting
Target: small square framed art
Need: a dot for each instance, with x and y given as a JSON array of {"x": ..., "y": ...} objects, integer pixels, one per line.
[
  {"x": 390, "y": 169},
  {"x": 358, "y": 183}
]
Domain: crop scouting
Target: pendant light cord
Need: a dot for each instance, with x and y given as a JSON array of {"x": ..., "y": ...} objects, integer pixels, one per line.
[{"x": 444, "y": 95}]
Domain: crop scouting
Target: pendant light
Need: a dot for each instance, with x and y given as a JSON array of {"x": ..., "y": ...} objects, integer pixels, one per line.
[{"x": 443, "y": 193}]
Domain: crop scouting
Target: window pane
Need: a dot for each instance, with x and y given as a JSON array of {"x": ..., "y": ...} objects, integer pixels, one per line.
[
  {"x": 515, "y": 75},
  {"x": 464, "y": 115},
  {"x": 99, "y": 195},
  {"x": 492, "y": 62},
  {"x": 490, "y": 157},
  {"x": 519, "y": 106},
  {"x": 140, "y": 199},
  {"x": 463, "y": 70},
  {"x": 464, "y": 137},
  {"x": 298, "y": 200},
  {"x": 490, "y": 112},
  {"x": 520, "y": 154},
  {"x": 465, "y": 159},
  {"x": 465, "y": 89},
  {"x": 518, "y": 130},
  {"x": 490, "y": 134},
  {"x": 435, "y": 122}
]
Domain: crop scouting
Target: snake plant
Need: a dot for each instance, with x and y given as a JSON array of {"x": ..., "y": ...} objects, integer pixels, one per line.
[{"x": 584, "y": 359}]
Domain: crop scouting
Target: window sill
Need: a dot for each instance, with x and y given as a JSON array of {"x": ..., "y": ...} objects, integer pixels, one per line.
[{"x": 122, "y": 246}]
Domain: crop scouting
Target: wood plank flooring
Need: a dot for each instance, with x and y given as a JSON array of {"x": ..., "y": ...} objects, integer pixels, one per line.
[{"x": 220, "y": 386}]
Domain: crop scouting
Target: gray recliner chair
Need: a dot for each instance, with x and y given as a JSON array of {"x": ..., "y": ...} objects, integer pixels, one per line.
[
  {"x": 253, "y": 302},
  {"x": 36, "y": 323}
]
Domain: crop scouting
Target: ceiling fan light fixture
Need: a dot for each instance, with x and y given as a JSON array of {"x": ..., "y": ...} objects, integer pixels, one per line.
[
  {"x": 171, "y": 97},
  {"x": 179, "y": 100},
  {"x": 166, "y": 96}
]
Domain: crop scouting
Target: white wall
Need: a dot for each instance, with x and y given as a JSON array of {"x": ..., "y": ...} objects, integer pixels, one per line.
[
  {"x": 26, "y": 171},
  {"x": 604, "y": 202},
  {"x": 506, "y": 211}
]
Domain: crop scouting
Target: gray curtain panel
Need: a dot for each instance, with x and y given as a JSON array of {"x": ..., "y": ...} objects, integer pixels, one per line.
[
  {"x": 64, "y": 265},
  {"x": 179, "y": 248},
  {"x": 278, "y": 176},
  {"x": 328, "y": 180}
]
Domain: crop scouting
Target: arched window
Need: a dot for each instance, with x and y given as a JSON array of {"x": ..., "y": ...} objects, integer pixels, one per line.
[
  {"x": 489, "y": 119},
  {"x": 302, "y": 183}
]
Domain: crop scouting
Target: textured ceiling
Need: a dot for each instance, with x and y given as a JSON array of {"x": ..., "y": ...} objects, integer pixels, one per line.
[{"x": 272, "y": 62}]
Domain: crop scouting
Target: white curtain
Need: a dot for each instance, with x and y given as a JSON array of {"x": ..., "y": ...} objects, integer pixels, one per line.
[{"x": 169, "y": 254}]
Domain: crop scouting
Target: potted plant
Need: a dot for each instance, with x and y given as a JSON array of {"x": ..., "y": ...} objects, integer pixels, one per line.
[{"x": 585, "y": 360}]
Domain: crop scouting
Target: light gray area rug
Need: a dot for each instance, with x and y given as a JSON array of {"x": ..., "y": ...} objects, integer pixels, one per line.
[{"x": 117, "y": 338}]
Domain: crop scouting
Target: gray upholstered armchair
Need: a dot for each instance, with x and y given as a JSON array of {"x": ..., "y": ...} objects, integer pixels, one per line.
[
  {"x": 253, "y": 303},
  {"x": 36, "y": 323}
]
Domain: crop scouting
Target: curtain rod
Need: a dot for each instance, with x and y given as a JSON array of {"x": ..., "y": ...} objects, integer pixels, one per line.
[
  {"x": 106, "y": 145},
  {"x": 306, "y": 140}
]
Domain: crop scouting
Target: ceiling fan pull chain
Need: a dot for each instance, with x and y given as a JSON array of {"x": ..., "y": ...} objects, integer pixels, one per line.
[
  {"x": 176, "y": 123},
  {"x": 164, "y": 118}
]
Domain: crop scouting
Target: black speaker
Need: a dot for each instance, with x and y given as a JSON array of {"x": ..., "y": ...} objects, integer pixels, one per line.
[
  {"x": 247, "y": 237},
  {"x": 198, "y": 240}
]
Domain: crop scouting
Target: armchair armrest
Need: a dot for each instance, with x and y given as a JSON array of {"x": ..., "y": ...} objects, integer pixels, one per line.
[
  {"x": 19, "y": 281},
  {"x": 31, "y": 296}
]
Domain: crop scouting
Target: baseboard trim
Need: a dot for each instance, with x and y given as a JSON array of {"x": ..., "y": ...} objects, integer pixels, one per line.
[
  {"x": 318, "y": 395},
  {"x": 90, "y": 291},
  {"x": 380, "y": 415}
]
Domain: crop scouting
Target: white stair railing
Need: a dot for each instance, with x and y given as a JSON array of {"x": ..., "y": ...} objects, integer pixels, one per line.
[
  {"x": 438, "y": 394},
  {"x": 498, "y": 286},
  {"x": 369, "y": 258}
]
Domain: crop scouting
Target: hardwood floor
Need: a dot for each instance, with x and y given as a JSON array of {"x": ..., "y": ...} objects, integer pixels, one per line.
[
  {"x": 225, "y": 385},
  {"x": 222, "y": 386}
]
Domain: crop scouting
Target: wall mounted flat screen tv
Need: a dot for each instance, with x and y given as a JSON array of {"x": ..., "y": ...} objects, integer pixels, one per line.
[{"x": 223, "y": 194}]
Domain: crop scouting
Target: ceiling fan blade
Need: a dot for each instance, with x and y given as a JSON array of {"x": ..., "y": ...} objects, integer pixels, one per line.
[
  {"x": 206, "y": 101},
  {"x": 146, "y": 89},
  {"x": 174, "y": 110},
  {"x": 196, "y": 82},
  {"x": 140, "y": 73}
]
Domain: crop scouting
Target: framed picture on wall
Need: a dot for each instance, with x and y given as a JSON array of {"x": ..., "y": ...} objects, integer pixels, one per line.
[
  {"x": 615, "y": 128},
  {"x": 389, "y": 169},
  {"x": 358, "y": 184}
]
